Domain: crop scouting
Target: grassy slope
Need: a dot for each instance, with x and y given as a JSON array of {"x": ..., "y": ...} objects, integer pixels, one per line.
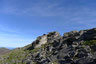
[
  {"x": 15, "y": 56},
  {"x": 4, "y": 51}
]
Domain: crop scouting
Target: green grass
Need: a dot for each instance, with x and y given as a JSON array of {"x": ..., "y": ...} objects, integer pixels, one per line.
[
  {"x": 90, "y": 42},
  {"x": 34, "y": 50},
  {"x": 15, "y": 56},
  {"x": 55, "y": 62},
  {"x": 74, "y": 58}
]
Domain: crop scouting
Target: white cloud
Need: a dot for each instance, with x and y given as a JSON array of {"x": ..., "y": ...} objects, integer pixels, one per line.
[
  {"x": 43, "y": 8},
  {"x": 79, "y": 14}
]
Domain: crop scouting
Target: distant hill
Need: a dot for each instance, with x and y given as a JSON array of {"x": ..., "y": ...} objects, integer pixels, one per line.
[
  {"x": 4, "y": 51},
  {"x": 75, "y": 47}
]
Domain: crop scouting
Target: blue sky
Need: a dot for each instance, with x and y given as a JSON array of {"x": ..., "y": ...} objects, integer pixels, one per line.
[{"x": 21, "y": 21}]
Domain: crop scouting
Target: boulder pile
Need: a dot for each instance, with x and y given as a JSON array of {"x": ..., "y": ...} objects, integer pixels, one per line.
[
  {"x": 75, "y": 47},
  {"x": 71, "y": 48}
]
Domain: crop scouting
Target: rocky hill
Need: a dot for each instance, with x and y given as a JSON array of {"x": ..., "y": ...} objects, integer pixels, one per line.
[
  {"x": 75, "y": 47},
  {"x": 4, "y": 51}
]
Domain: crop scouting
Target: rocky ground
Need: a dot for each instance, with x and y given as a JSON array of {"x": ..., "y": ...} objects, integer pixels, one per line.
[{"x": 75, "y": 47}]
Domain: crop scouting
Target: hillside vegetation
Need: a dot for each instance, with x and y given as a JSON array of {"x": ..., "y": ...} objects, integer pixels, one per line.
[{"x": 4, "y": 51}]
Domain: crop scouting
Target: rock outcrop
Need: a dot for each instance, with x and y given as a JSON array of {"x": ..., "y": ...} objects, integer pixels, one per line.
[{"x": 75, "y": 47}]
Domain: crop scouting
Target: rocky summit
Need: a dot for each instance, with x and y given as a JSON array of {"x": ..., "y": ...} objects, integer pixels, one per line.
[{"x": 75, "y": 47}]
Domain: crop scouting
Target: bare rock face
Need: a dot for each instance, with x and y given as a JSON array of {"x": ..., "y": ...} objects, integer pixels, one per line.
[
  {"x": 89, "y": 34},
  {"x": 46, "y": 38},
  {"x": 41, "y": 40}
]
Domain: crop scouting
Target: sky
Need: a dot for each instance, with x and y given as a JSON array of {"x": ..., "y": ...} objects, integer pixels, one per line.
[{"x": 22, "y": 21}]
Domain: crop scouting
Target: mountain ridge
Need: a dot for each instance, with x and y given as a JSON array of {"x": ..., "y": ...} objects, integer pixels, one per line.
[
  {"x": 4, "y": 50},
  {"x": 75, "y": 47}
]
